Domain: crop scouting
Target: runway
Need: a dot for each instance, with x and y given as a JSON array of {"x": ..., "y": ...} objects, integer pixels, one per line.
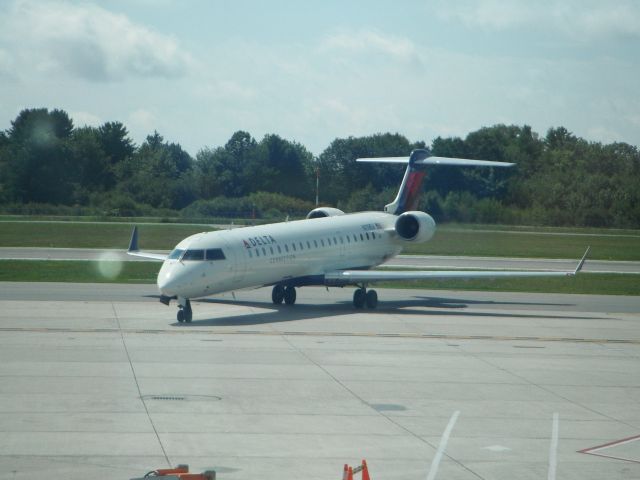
[
  {"x": 100, "y": 381},
  {"x": 401, "y": 261}
]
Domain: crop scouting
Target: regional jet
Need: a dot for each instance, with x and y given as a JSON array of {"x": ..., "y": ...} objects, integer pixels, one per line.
[{"x": 329, "y": 248}]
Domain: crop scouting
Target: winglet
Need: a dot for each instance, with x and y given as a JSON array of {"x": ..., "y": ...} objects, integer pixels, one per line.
[
  {"x": 584, "y": 257},
  {"x": 133, "y": 243}
]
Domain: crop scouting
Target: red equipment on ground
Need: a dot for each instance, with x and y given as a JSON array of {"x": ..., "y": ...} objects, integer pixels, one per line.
[
  {"x": 348, "y": 472},
  {"x": 181, "y": 472}
]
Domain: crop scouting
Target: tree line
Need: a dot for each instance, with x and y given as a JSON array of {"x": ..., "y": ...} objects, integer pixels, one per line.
[{"x": 47, "y": 165}]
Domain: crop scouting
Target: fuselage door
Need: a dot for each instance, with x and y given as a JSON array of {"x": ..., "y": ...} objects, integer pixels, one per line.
[{"x": 236, "y": 260}]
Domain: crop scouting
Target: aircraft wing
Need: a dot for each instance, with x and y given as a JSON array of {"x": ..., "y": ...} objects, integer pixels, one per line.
[
  {"x": 351, "y": 277},
  {"x": 135, "y": 251}
]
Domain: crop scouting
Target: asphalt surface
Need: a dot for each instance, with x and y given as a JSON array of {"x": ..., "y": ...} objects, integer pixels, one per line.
[
  {"x": 100, "y": 381},
  {"x": 402, "y": 261}
]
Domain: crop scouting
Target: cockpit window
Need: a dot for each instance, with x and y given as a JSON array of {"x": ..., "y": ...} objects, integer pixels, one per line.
[
  {"x": 215, "y": 254},
  {"x": 175, "y": 254},
  {"x": 193, "y": 255}
]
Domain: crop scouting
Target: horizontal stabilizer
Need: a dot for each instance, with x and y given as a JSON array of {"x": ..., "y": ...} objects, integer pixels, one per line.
[{"x": 460, "y": 162}]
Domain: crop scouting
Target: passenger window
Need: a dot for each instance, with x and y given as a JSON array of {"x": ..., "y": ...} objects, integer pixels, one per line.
[
  {"x": 367, "y": 234},
  {"x": 286, "y": 248},
  {"x": 294, "y": 246},
  {"x": 348, "y": 239},
  {"x": 301, "y": 246},
  {"x": 279, "y": 249},
  {"x": 322, "y": 242},
  {"x": 335, "y": 241},
  {"x": 355, "y": 238},
  {"x": 315, "y": 242},
  {"x": 308, "y": 245},
  {"x": 215, "y": 254},
  {"x": 271, "y": 249},
  {"x": 257, "y": 252},
  {"x": 193, "y": 255},
  {"x": 264, "y": 251}
]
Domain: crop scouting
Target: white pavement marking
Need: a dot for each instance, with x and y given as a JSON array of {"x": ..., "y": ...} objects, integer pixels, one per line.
[
  {"x": 553, "y": 449},
  {"x": 443, "y": 445}
]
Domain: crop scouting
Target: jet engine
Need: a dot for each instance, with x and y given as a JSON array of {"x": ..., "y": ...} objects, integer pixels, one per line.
[
  {"x": 415, "y": 226},
  {"x": 324, "y": 212}
]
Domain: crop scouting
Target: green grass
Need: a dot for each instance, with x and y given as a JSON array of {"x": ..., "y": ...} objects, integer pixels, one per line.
[
  {"x": 473, "y": 240},
  {"x": 92, "y": 235},
  {"x": 146, "y": 272},
  {"x": 77, "y": 271},
  {"x": 583, "y": 283}
]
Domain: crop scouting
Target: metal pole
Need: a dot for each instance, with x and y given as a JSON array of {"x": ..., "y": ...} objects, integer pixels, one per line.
[{"x": 317, "y": 185}]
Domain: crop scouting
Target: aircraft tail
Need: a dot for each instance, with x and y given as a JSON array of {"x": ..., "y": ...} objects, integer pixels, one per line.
[{"x": 411, "y": 186}]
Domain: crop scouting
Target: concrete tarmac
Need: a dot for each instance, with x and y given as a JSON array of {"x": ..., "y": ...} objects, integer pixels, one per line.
[
  {"x": 401, "y": 261},
  {"x": 100, "y": 381}
]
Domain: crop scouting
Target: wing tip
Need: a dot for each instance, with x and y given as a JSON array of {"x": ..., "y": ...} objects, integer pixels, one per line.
[
  {"x": 133, "y": 243},
  {"x": 582, "y": 260}
]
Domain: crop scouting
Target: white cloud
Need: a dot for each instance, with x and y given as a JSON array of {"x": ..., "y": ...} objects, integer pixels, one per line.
[
  {"x": 85, "y": 40},
  {"x": 143, "y": 120},
  {"x": 368, "y": 41},
  {"x": 81, "y": 119},
  {"x": 226, "y": 90},
  {"x": 584, "y": 19}
]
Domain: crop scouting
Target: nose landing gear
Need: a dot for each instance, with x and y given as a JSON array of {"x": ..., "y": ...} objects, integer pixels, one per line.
[{"x": 184, "y": 311}]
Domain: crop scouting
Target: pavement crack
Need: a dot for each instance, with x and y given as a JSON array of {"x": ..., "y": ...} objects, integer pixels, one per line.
[
  {"x": 135, "y": 378},
  {"x": 378, "y": 412}
]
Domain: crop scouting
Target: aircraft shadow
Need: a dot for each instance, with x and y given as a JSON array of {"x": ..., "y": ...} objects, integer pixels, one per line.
[{"x": 444, "y": 307}]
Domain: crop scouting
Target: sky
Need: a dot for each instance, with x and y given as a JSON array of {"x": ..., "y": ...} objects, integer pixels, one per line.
[{"x": 196, "y": 71}]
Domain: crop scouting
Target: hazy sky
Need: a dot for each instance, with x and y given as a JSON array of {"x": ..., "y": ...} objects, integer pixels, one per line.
[{"x": 312, "y": 71}]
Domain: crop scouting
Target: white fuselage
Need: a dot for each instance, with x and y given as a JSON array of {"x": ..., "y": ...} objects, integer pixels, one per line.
[{"x": 298, "y": 252}]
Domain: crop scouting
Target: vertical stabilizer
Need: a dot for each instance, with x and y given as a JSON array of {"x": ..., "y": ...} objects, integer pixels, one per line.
[{"x": 411, "y": 186}]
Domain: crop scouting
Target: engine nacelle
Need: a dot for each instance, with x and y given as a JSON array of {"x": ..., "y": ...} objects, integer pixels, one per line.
[
  {"x": 324, "y": 212},
  {"x": 415, "y": 226}
]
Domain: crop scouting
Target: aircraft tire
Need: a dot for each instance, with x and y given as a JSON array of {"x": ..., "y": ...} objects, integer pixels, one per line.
[
  {"x": 277, "y": 294},
  {"x": 180, "y": 316},
  {"x": 359, "y": 298},
  {"x": 290, "y": 295},
  {"x": 371, "y": 299}
]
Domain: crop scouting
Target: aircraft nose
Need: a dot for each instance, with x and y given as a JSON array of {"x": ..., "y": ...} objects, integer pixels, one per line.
[{"x": 169, "y": 280}]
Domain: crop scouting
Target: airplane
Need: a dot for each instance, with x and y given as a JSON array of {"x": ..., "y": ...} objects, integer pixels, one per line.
[{"x": 329, "y": 248}]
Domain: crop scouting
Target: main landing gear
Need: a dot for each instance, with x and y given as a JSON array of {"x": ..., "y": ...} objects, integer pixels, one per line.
[
  {"x": 280, "y": 293},
  {"x": 184, "y": 312},
  {"x": 362, "y": 297}
]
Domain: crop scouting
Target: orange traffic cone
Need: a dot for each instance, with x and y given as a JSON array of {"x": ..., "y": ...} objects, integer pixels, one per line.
[{"x": 365, "y": 470}]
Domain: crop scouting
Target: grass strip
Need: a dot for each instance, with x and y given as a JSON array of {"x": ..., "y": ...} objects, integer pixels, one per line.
[
  {"x": 146, "y": 272},
  {"x": 449, "y": 240},
  {"x": 83, "y": 271},
  {"x": 456, "y": 241},
  {"x": 92, "y": 235}
]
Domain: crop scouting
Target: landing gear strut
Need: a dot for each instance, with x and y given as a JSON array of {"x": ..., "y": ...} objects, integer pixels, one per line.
[
  {"x": 362, "y": 297},
  {"x": 280, "y": 293},
  {"x": 184, "y": 313}
]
